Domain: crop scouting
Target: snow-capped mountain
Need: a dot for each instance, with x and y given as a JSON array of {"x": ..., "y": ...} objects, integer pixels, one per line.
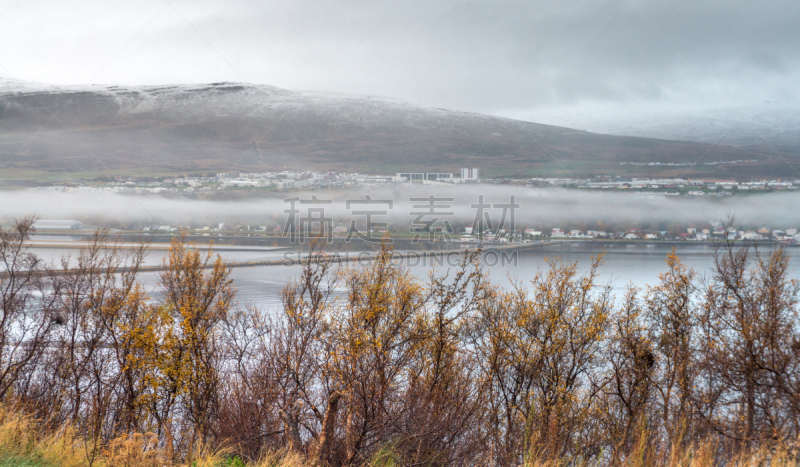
[{"x": 250, "y": 127}]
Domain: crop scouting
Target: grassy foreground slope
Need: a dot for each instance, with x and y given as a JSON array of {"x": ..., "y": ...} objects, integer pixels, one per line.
[{"x": 27, "y": 442}]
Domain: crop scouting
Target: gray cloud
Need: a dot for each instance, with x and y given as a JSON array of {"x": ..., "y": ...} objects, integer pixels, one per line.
[{"x": 579, "y": 60}]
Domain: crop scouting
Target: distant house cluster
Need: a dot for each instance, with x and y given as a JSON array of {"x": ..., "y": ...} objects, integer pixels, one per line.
[
  {"x": 668, "y": 186},
  {"x": 283, "y": 180},
  {"x": 288, "y": 179},
  {"x": 714, "y": 232},
  {"x": 717, "y": 232},
  {"x": 685, "y": 164}
]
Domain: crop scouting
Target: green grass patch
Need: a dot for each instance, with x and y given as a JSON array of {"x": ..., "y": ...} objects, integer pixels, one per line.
[{"x": 21, "y": 461}]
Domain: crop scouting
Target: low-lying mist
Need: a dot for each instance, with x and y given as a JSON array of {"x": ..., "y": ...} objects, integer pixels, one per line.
[{"x": 538, "y": 207}]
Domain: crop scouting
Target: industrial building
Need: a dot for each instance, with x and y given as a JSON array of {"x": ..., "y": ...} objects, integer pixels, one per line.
[
  {"x": 412, "y": 177},
  {"x": 419, "y": 176}
]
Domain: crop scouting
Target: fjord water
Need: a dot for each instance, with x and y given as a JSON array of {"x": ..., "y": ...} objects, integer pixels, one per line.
[{"x": 623, "y": 264}]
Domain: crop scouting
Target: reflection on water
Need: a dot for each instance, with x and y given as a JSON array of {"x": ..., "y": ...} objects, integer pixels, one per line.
[{"x": 637, "y": 264}]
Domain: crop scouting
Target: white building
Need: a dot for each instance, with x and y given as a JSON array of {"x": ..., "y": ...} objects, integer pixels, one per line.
[{"x": 470, "y": 173}]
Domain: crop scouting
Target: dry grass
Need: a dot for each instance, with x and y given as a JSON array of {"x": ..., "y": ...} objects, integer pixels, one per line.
[
  {"x": 697, "y": 455},
  {"x": 26, "y": 442}
]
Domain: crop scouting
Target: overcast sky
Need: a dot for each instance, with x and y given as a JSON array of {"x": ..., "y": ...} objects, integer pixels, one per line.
[{"x": 529, "y": 59}]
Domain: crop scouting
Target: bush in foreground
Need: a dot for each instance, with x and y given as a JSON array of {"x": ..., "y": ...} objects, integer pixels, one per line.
[{"x": 373, "y": 366}]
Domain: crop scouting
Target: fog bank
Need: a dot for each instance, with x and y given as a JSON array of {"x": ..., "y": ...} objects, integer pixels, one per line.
[{"x": 537, "y": 207}]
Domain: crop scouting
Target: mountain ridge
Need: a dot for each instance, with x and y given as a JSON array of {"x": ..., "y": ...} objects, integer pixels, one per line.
[{"x": 218, "y": 126}]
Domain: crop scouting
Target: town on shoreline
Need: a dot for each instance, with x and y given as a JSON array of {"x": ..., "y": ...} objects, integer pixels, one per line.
[{"x": 307, "y": 180}]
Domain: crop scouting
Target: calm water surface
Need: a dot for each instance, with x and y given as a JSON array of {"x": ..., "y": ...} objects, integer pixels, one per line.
[{"x": 638, "y": 264}]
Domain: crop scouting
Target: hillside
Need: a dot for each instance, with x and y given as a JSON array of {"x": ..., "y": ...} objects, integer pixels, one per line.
[
  {"x": 227, "y": 125},
  {"x": 765, "y": 124}
]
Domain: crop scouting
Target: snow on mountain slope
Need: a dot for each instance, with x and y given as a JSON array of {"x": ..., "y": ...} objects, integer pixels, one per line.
[
  {"x": 222, "y": 125},
  {"x": 757, "y": 125}
]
